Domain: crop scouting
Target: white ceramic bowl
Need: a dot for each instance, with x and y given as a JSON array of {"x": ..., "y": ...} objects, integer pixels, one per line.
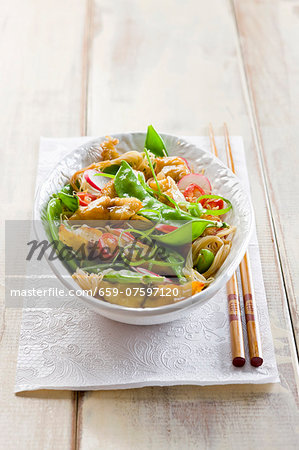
[{"x": 224, "y": 182}]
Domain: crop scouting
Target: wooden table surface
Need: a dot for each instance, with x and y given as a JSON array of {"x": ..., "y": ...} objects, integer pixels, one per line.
[{"x": 94, "y": 67}]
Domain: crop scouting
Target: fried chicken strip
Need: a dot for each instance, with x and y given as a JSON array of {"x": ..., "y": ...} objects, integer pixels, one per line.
[
  {"x": 106, "y": 208},
  {"x": 109, "y": 150},
  {"x": 135, "y": 159},
  {"x": 76, "y": 238},
  {"x": 169, "y": 187},
  {"x": 171, "y": 166}
]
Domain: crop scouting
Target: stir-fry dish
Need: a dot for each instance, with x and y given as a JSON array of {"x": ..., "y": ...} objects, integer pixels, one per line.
[{"x": 140, "y": 229}]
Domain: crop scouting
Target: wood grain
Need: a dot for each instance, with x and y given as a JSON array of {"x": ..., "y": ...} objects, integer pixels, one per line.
[
  {"x": 177, "y": 65},
  {"x": 40, "y": 77},
  {"x": 269, "y": 33},
  {"x": 218, "y": 417}
]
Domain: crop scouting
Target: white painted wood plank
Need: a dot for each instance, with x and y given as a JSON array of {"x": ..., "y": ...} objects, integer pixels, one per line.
[
  {"x": 269, "y": 40},
  {"x": 40, "y": 78},
  {"x": 176, "y": 65}
]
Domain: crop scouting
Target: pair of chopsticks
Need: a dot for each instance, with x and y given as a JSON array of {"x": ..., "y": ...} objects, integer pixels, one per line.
[{"x": 234, "y": 308}]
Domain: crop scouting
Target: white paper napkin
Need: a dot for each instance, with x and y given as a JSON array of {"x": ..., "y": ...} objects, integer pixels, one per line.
[{"x": 75, "y": 348}]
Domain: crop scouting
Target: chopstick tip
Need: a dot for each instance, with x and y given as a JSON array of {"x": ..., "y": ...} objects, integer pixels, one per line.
[
  {"x": 256, "y": 361},
  {"x": 238, "y": 361}
]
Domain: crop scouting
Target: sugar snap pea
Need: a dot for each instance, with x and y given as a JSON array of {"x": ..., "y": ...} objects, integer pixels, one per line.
[
  {"x": 154, "y": 142},
  {"x": 127, "y": 184}
]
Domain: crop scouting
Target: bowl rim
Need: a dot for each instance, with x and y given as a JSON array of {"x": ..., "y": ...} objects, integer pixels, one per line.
[{"x": 193, "y": 300}]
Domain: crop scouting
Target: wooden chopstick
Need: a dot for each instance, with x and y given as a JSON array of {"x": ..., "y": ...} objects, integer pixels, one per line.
[
  {"x": 234, "y": 311},
  {"x": 253, "y": 333}
]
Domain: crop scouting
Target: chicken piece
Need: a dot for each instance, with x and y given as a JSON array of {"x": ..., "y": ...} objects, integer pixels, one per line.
[
  {"x": 76, "y": 238},
  {"x": 171, "y": 166},
  {"x": 124, "y": 208},
  {"x": 109, "y": 150},
  {"x": 169, "y": 187},
  {"x": 106, "y": 208},
  {"x": 135, "y": 159},
  {"x": 109, "y": 190},
  {"x": 163, "y": 184},
  {"x": 143, "y": 222}
]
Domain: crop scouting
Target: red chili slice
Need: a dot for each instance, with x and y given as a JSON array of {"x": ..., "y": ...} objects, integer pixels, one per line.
[
  {"x": 212, "y": 203},
  {"x": 166, "y": 228},
  {"x": 107, "y": 245},
  {"x": 85, "y": 198},
  {"x": 192, "y": 192}
]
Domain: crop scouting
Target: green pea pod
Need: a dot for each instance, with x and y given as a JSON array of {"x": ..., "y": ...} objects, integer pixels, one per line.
[
  {"x": 186, "y": 233},
  {"x": 67, "y": 189},
  {"x": 111, "y": 169},
  {"x": 67, "y": 197},
  {"x": 154, "y": 142},
  {"x": 128, "y": 276},
  {"x": 127, "y": 184},
  {"x": 91, "y": 267},
  {"x": 54, "y": 211}
]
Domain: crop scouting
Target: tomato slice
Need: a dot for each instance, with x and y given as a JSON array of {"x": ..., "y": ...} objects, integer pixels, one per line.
[
  {"x": 192, "y": 192},
  {"x": 85, "y": 198},
  {"x": 165, "y": 228},
  {"x": 107, "y": 245},
  {"x": 211, "y": 203}
]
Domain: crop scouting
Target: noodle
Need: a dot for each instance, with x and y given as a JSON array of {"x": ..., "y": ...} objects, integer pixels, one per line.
[
  {"x": 87, "y": 281},
  {"x": 218, "y": 245},
  {"x": 213, "y": 243},
  {"x": 218, "y": 261},
  {"x": 226, "y": 231}
]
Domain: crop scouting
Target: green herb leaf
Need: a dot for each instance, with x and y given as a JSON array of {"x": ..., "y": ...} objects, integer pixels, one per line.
[
  {"x": 108, "y": 175},
  {"x": 152, "y": 169}
]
